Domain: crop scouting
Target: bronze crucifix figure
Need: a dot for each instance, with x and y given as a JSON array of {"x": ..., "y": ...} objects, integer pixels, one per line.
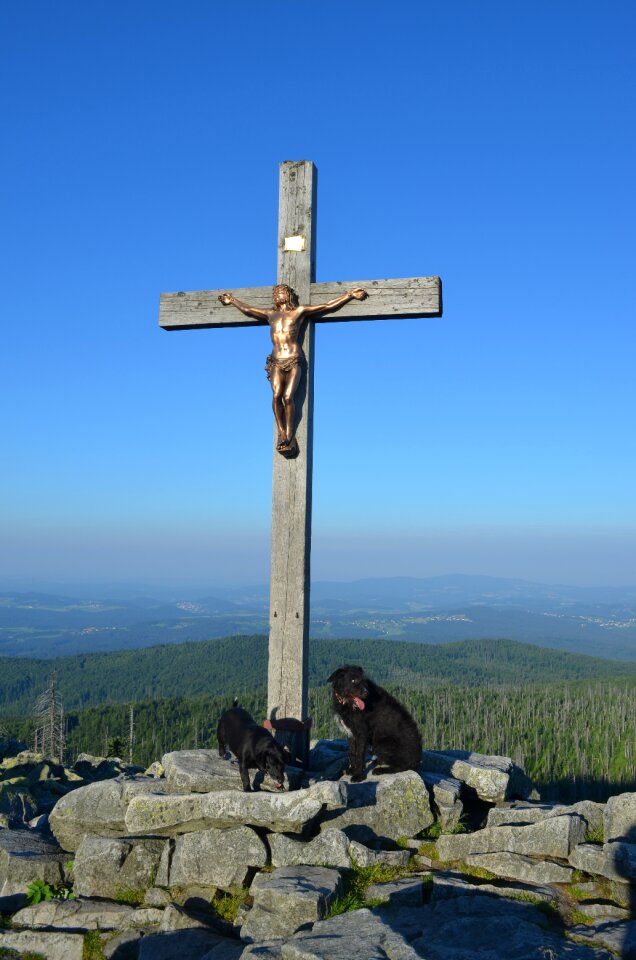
[{"x": 286, "y": 363}]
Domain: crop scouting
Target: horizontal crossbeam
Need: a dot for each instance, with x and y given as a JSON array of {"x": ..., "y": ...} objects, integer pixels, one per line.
[{"x": 387, "y": 300}]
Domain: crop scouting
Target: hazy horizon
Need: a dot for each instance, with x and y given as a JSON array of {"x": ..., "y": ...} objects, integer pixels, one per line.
[{"x": 191, "y": 588}]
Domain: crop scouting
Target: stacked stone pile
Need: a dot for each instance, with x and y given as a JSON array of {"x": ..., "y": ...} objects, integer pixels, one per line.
[{"x": 153, "y": 854}]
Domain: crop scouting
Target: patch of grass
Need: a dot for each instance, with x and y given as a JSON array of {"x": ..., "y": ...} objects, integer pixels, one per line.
[
  {"x": 432, "y": 832},
  {"x": 595, "y": 834},
  {"x": 577, "y": 916},
  {"x": 356, "y": 883},
  {"x": 402, "y": 843},
  {"x": 604, "y": 890},
  {"x": 579, "y": 876},
  {"x": 459, "y": 827},
  {"x": 428, "y": 849},
  {"x": 93, "y": 946},
  {"x": 226, "y": 905},
  {"x": 133, "y": 898},
  {"x": 92, "y": 949},
  {"x": 5, "y": 921},
  {"x": 479, "y": 873},
  {"x": 351, "y": 900},
  {"x": 577, "y": 893},
  {"x": 526, "y": 898}
]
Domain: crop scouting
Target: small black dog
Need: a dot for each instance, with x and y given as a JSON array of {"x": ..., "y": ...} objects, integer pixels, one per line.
[
  {"x": 253, "y": 746},
  {"x": 373, "y": 717}
]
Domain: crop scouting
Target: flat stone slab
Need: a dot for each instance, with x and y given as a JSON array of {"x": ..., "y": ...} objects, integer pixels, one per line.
[
  {"x": 516, "y": 866},
  {"x": 77, "y": 915},
  {"x": 619, "y": 820},
  {"x": 449, "y": 885},
  {"x": 493, "y": 778},
  {"x": 287, "y": 899},
  {"x": 200, "y": 771},
  {"x": 26, "y": 856},
  {"x": 170, "y": 815},
  {"x": 602, "y": 910},
  {"x": 98, "y": 809},
  {"x": 615, "y": 860},
  {"x": 218, "y": 858},
  {"x": 554, "y": 837},
  {"x": 590, "y": 858},
  {"x": 392, "y": 806},
  {"x": 407, "y": 892},
  {"x": 204, "y": 771},
  {"x": 523, "y": 813},
  {"x": 361, "y": 934},
  {"x": 53, "y": 946},
  {"x": 364, "y": 857}
]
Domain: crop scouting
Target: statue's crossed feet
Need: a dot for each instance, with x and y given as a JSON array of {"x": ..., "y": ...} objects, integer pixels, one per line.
[{"x": 287, "y": 447}]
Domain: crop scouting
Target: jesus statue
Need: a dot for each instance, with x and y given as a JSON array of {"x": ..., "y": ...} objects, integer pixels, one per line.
[{"x": 286, "y": 362}]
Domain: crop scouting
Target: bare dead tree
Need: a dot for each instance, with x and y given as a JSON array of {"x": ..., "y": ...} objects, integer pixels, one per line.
[
  {"x": 131, "y": 734},
  {"x": 50, "y": 728}
]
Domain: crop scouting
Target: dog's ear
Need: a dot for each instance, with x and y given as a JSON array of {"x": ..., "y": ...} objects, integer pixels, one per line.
[{"x": 336, "y": 675}]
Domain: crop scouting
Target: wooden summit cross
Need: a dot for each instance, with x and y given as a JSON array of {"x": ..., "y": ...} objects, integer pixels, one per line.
[{"x": 291, "y": 494}]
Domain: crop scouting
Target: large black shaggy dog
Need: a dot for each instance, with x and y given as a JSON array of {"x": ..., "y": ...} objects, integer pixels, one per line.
[
  {"x": 372, "y": 717},
  {"x": 253, "y": 746}
]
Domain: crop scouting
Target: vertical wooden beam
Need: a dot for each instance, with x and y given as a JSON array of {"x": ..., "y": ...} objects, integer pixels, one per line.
[{"x": 291, "y": 493}]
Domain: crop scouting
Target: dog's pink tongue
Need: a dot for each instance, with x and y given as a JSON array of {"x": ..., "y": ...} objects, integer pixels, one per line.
[{"x": 358, "y": 702}]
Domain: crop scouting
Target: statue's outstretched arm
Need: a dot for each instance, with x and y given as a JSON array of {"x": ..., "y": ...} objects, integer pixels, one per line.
[
  {"x": 336, "y": 303},
  {"x": 228, "y": 299}
]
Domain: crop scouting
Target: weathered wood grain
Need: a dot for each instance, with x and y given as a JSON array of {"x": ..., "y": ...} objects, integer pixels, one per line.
[
  {"x": 287, "y": 684},
  {"x": 388, "y": 300}
]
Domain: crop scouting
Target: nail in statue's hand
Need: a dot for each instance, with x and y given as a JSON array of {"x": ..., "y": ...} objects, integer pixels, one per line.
[{"x": 359, "y": 293}]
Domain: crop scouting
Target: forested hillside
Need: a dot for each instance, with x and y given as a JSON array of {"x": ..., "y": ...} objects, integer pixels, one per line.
[
  {"x": 232, "y": 664},
  {"x": 574, "y": 739}
]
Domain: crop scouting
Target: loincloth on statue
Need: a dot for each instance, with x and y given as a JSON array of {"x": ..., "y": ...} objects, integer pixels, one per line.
[{"x": 285, "y": 364}]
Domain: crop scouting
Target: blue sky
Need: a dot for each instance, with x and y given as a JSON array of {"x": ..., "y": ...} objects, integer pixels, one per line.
[{"x": 492, "y": 144}]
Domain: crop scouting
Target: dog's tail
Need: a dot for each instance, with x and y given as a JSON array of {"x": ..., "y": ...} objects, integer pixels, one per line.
[{"x": 235, "y": 702}]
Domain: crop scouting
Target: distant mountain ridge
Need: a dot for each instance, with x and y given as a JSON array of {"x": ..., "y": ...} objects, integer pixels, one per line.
[{"x": 593, "y": 620}]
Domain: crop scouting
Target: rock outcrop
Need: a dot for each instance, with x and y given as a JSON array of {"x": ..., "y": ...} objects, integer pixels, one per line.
[
  {"x": 384, "y": 807},
  {"x": 26, "y": 856},
  {"x": 493, "y": 779},
  {"x": 159, "y": 861}
]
